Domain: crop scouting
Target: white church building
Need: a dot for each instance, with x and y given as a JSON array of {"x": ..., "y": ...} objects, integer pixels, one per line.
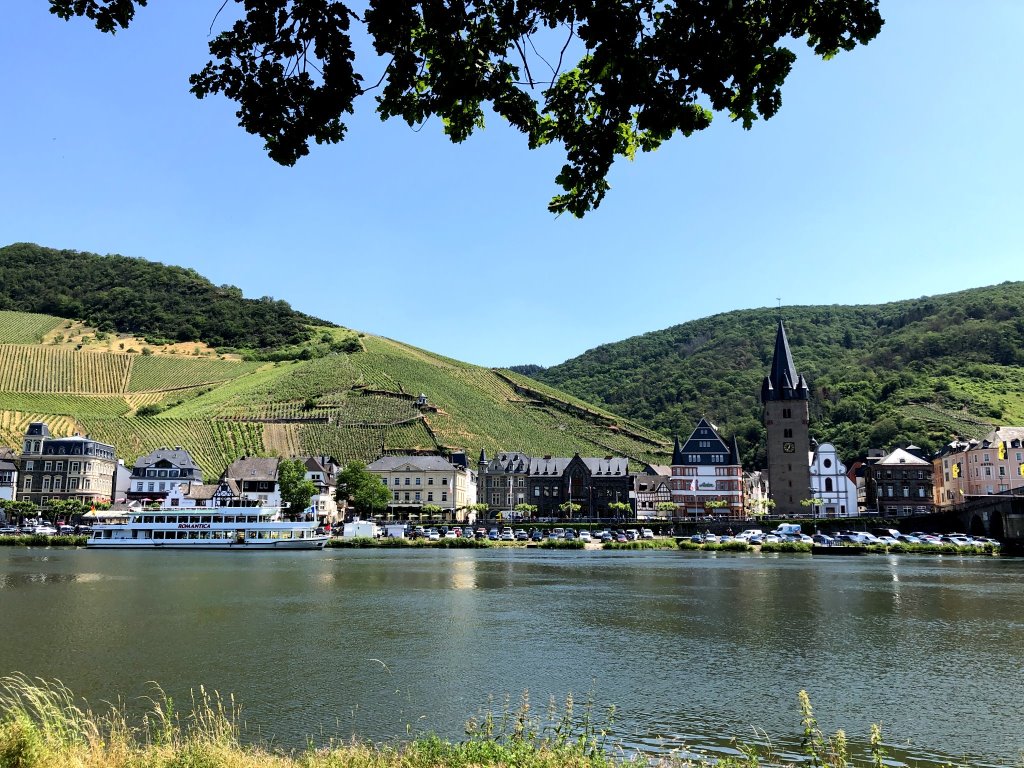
[{"x": 829, "y": 483}]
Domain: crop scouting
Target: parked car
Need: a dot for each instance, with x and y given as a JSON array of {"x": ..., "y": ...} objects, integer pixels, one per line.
[
  {"x": 44, "y": 530},
  {"x": 433, "y": 535},
  {"x": 823, "y": 540},
  {"x": 451, "y": 535},
  {"x": 569, "y": 536},
  {"x": 606, "y": 536},
  {"x": 955, "y": 540},
  {"x": 585, "y": 537},
  {"x": 646, "y": 533},
  {"x": 620, "y": 538},
  {"x": 632, "y": 534},
  {"x": 536, "y": 536},
  {"x": 522, "y": 536}
]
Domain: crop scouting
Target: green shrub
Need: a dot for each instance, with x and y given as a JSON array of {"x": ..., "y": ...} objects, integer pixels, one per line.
[
  {"x": 561, "y": 544},
  {"x": 786, "y": 546}
]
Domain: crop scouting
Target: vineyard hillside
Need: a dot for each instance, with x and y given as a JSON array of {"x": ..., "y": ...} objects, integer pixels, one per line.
[{"x": 355, "y": 401}]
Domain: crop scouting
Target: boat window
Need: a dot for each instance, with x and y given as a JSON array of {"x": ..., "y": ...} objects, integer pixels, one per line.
[
  {"x": 206, "y": 519},
  {"x": 147, "y": 518},
  {"x": 252, "y": 534},
  {"x": 158, "y": 518},
  {"x": 264, "y": 534},
  {"x": 193, "y": 534},
  {"x": 158, "y": 534}
]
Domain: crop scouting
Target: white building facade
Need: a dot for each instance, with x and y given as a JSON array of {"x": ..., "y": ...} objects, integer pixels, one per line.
[{"x": 836, "y": 493}]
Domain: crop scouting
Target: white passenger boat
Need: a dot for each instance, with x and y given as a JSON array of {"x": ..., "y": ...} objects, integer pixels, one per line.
[{"x": 207, "y": 528}]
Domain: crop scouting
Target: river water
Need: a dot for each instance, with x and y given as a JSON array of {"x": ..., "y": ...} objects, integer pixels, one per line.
[{"x": 691, "y": 649}]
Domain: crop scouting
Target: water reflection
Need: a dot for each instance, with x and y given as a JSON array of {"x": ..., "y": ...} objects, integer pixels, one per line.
[{"x": 693, "y": 650}]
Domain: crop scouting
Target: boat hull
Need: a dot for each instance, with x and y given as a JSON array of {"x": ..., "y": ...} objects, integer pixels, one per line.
[{"x": 293, "y": 544}]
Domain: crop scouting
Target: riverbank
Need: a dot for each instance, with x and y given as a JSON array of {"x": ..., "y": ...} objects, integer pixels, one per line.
[
  {"x": 39, "y": 540},
  {"x": 42, "y": 725}
]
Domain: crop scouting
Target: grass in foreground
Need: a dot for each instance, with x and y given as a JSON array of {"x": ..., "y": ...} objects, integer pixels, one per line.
[{"x": 42, "y": 725}]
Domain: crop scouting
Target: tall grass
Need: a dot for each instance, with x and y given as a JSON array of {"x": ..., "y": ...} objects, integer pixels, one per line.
[{"x": 42, "y": 725}]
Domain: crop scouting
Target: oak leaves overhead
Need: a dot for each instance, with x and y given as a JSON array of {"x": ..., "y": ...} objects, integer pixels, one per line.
[{"x": 605, "y": 78}]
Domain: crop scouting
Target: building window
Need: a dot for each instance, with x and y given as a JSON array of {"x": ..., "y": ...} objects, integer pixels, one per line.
[
  {"x": 396, "y": 495},
  {"x": 430, "y": 481},
  {"x": 444, "y": 481},
  {"x": 59, "y": 466},
  {"x": 46, "y": 483},
  {"x": 787, "y": 433},
  {"x": 407, "y": 481},
  {"x": 73, "y": 484},
  {"x": 418, "y": 480},
  {"x": 430, "y": 495},
  {"x": 787, "y": 413},
  {"x": 150, "y": 486},
  {"x": 28, "y": 483},
  {"x": 417, "y": 495},
  {"x": 28, "y": 466},
  {"x": 406, "y": 495},
  {"x": 444, "y": 496},
  {"x": 47, "y": 466},
  {"x": 57, "y": 483}
]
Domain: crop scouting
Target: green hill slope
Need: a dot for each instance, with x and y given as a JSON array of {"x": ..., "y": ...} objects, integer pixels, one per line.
[
  {"x": 144, "y": 298},
  {"x": 916, "y": 371},
  {"x": 352, "y": 405}
]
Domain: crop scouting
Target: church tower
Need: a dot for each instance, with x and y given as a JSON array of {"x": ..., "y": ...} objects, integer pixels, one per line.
[{"x": 785, "y": 397}]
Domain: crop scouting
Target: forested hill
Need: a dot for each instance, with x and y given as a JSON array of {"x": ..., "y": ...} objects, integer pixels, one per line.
[
  {"x": 916, "y": 371},
  {"x": 144, "y": 298}
]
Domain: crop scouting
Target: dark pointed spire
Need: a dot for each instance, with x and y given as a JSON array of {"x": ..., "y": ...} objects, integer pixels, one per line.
[
  {"x": 783, "y": 382},
  {"x": 677, "y": 453},
  {"x": 734, "y": 452},
  {"x": 483, "y": 455}
]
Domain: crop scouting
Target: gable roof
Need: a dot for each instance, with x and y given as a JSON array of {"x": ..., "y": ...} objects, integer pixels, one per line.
[
  {"x": 247, "y": 468},
  {"x": 177, "y": 456},
  {"x": 901, "y": 457},
  {"x": 416, "y": 464},
  {"x": 705, "y": 446}
]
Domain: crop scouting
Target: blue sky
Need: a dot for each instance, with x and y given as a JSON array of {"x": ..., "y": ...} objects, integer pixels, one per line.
[{"x": 891, "y": 172}]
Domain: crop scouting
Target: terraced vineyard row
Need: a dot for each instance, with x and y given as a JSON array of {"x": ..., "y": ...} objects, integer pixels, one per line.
[
  {"x": 52, "y": 369},
  {"x": 213, "y": 444},
  {"x": 363, "y": 443},
  {"x": 26, "y": 327},
  {"x": 282, "y": 439},
  {"x": 14, "y": 423},
  {"x": 157, "y": 372},
  {"x": 67, "y": 405}
]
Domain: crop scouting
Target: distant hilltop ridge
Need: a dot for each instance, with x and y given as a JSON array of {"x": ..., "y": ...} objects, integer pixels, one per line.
[
  {"x": 921, "y": 371},
  {"x": 145, "y": 298}
]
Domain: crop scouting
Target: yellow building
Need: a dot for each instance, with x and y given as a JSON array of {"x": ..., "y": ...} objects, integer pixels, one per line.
[{"x": 418, "y": 481}]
